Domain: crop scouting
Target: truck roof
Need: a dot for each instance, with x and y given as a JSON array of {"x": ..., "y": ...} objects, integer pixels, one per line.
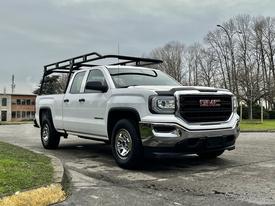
[{"x": 127, "y": 67}]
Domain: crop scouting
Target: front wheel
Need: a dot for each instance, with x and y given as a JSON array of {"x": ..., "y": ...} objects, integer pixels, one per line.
[
  {"x": 50, "y": 138},
  {"x": 126, "y": 144},
  {"x": 210, "y": 155}
]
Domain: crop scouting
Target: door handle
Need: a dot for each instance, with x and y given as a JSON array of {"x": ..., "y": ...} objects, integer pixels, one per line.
[
  {"x": 66, "y": 100},
  {"x": 81, "y": 100}
]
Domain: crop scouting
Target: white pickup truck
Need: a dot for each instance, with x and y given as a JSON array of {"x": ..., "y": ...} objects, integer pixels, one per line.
[{"x": 136, "y": 109}]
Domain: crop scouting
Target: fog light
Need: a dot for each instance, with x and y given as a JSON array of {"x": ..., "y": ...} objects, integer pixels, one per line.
[{"x": 177, "y": 132}]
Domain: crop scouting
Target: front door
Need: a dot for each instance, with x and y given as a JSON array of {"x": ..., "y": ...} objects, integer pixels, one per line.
[
  {"x": 4, "y": 116},
  {"x": 93, "y": 107}
]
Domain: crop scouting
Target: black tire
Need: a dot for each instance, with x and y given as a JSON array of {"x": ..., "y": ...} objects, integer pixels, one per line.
[
  {"x": 210, "y": 155},
  {"x": 53, "y": 137},
  {"x": 128, "y": 130}
]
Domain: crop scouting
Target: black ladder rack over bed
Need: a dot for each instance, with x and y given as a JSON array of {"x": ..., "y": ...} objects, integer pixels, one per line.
[{"x": 70, "y": 65}]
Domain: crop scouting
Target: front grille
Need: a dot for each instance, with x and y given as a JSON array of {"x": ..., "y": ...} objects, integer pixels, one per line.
[{"x": 192, "y": 110}]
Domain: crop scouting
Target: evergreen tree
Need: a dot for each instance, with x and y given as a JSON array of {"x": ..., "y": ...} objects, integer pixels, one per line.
[{"x": 52, "y": 85}]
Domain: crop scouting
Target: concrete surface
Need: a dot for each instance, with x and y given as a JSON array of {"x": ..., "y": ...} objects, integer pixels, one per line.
[{"x": 245, "y": 176}]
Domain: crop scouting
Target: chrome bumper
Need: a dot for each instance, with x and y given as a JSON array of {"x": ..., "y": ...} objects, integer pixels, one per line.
[{"x": 171, "y": 135}]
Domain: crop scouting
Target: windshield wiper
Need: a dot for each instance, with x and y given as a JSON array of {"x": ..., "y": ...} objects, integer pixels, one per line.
[
  {"x": 132, "y": 73},
  {"x": 128, "y": 86}
]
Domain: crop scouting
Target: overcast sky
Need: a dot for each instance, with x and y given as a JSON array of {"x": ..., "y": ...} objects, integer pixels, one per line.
[{"x": 37, "y": 32}]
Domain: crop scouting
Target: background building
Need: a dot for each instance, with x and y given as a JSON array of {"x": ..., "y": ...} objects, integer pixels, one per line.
[
  {"x": 17, "y": 107},
  {"x": 5, "y": 107}
]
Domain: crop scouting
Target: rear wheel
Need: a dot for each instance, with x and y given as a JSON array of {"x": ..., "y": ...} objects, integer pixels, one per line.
[
  {"x": 50, "y": 138},
  {"x": 210, "y": 155},
  {"x": 126, "y": 144}
]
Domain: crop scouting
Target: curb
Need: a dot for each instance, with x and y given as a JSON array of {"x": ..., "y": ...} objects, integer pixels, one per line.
[
  {"x": 58, "y": 170},
  {"x": 260, "y": 131},
  {"x": 45, "y": 195}
]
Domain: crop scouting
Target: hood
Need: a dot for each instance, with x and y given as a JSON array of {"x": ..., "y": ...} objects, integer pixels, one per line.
[
  {"x": 155, "y": 87},
  {"x": 179, "y": 88}
]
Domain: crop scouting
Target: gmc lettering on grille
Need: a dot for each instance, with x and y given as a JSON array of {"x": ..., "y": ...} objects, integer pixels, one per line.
[{"x": 210, "y": 102}]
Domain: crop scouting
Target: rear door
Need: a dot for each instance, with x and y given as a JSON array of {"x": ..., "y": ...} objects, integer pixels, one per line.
[{"x": 72, "y": 119}]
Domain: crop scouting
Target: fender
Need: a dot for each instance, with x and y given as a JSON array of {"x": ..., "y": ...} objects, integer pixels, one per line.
[{"x": 120, "y": 112}]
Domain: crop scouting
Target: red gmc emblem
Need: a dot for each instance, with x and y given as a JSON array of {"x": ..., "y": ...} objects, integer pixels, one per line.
[{"x": 210, "y": 103}]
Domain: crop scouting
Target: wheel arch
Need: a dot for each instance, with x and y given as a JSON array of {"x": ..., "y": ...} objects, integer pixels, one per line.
[
  {"x": 115, "y": 114},
  {"x": 44, "y": 110}
]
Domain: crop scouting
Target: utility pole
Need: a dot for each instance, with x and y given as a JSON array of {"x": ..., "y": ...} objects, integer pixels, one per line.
[
  {"x": 12, "y": 84},
  {"x": 262, "y": 110},
  {"x": 241, "y": 111},
  {"x": 251, "y": 97}
]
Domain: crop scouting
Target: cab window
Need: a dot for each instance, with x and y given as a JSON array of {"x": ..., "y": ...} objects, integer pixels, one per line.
[{"x": 77, "y": 82}]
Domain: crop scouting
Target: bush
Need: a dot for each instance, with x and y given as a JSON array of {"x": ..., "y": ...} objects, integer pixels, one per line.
[
  {"x": 256, "y": 109},
  {"x": 271, "y": 114}
]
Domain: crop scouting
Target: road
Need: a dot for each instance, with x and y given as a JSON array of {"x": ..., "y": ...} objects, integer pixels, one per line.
[{"x": 245, "y": 176}]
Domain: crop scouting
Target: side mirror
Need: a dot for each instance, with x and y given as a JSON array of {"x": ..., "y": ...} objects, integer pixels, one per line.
[{"x": 96, "y": 85}]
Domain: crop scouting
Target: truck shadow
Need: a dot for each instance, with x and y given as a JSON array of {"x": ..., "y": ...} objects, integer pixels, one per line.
[{"x": 102, "y": 153}]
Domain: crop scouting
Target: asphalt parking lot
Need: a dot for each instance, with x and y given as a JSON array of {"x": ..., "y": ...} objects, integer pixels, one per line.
[{"x": 245, "y": 176}]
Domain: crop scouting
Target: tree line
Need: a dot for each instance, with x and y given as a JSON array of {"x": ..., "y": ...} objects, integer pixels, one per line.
[{"x": 238, "y": 55}]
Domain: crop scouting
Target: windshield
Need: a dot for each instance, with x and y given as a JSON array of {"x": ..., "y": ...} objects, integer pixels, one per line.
[{"x": 125, "y": 77}]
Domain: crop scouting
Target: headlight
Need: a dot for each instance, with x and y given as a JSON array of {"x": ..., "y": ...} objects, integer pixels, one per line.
[
  {"x": 235, "y": 104},
  {"x": 163, "y": 104}
]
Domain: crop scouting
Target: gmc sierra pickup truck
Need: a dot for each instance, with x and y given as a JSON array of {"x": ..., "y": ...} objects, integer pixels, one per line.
[{"x": 135, "y": 109}]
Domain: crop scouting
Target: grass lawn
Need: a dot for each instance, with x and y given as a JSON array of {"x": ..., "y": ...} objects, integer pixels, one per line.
[
  {"x": 21, "y": 169},
  {"x": 16, "y": 123},
  {"x": 256, "y": 125}
]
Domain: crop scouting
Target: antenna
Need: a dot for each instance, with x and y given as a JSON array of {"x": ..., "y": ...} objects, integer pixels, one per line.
[
  {"x": 118, "y": 57},
  {"x": 118, "y": 51},
  {"x": 12, "y": 84}
]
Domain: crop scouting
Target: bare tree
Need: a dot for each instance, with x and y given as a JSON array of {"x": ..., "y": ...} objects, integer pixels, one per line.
[
  {"x": 172, "y": 55},
  {"x": 239, "y": 56},
  {"x": 217, "y": 44},
  {"x": 192, "y": 63}
]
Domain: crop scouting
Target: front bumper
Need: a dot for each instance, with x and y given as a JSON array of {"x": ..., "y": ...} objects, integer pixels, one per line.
[{"x": 174, "y": 137}]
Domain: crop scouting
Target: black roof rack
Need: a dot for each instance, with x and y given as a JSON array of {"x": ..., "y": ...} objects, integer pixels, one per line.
[{"x": 70, "y": 65}]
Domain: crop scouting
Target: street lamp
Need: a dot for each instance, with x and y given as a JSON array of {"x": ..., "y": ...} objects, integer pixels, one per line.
[{"x": 227, "y": 33}]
